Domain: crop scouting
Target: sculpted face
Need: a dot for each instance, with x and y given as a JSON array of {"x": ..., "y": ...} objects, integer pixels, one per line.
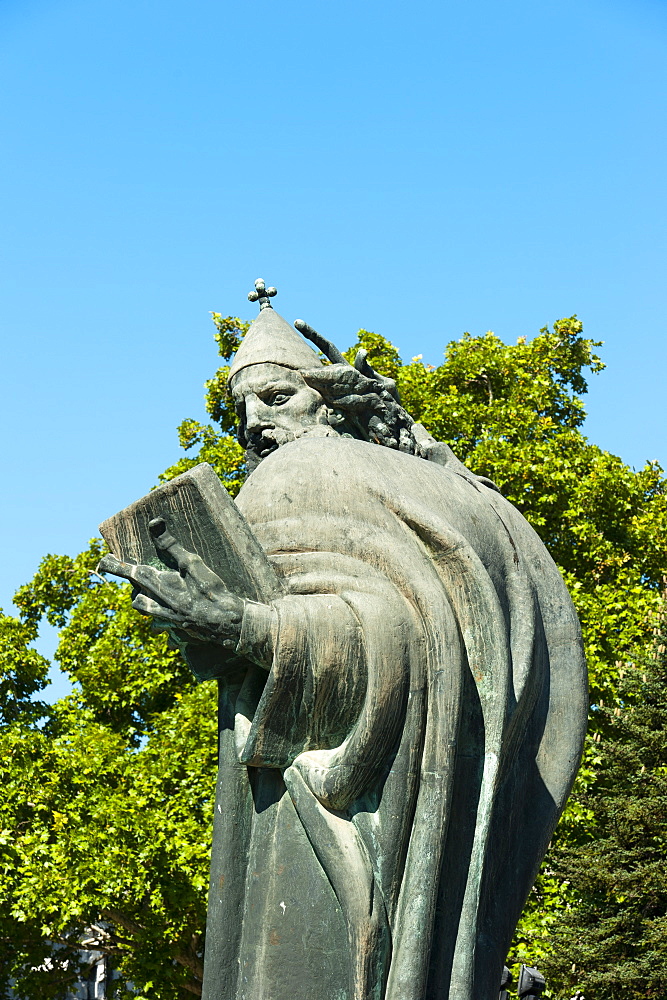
[{"x": 276, "y": 406}]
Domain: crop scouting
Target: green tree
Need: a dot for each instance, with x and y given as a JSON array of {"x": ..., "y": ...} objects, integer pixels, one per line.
[
  {"x": 106, "y": 816},
  {"x": 105, "y": 812},
  {"x": 611, "y": 938}
]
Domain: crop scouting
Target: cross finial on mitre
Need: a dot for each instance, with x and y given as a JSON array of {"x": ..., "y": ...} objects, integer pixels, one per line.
[{"x": 262, "y": 294}]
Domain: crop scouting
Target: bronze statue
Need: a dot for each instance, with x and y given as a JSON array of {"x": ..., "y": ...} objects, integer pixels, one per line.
[{"x": 402, "y": 700}]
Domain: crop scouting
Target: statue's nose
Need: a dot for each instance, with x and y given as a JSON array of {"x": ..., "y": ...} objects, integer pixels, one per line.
[{"x": 257, "y": 414}]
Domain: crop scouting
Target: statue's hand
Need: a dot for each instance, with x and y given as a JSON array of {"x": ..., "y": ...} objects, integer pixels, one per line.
[{"x": 193, "y": 598}]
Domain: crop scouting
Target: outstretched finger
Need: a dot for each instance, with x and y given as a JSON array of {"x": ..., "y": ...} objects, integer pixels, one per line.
[
  {"x": 109, "y": 564},
  {"x": 145, "y": 577}
]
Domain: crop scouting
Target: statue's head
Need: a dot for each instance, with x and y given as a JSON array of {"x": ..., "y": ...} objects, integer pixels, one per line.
[
  {"x": 283, "y": 390},
  {"x": 276, "y": 405},
  {"x": 274, "y": 402}
]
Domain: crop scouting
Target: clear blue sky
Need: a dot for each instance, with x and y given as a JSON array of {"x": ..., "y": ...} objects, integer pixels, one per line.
[{"x": 418, "y": 169}]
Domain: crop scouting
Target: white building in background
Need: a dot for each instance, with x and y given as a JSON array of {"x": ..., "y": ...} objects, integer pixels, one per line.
[{"x": 96, "y": 985}]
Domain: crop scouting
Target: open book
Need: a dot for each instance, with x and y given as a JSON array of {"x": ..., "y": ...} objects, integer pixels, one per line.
[{"x": 202, "y": 516}]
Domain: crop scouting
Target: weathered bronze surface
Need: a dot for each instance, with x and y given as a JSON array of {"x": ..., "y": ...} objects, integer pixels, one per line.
[{"x": 402, "y": 687}]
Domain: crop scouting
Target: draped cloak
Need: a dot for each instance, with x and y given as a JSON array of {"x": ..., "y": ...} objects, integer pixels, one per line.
[{"x": 388, "y": 787}]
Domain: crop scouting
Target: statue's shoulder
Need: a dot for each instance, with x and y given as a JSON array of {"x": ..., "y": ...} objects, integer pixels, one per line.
[
  {"x": 309, "y": 462},
  {"x": 316, "y": 464}
]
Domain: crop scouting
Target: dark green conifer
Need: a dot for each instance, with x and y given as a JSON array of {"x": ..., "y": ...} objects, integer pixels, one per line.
[{"x": 611, "y": 940}]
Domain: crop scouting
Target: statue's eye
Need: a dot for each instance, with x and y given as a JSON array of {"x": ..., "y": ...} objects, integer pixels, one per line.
[{"x": 279, "y": 398}]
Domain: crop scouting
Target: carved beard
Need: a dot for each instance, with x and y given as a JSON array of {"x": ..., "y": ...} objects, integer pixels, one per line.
[{"x": 260, "y": 445}]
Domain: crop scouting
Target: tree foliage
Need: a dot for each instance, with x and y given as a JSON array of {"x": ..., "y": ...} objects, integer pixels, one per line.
[
  {"x": 611, "y": 938},
  {"x": 105, "y": 823},
  {"x": 106, "y": 808}
]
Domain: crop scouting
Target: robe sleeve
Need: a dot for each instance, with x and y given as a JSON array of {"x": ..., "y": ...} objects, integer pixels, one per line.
[
  {"x": 333, "y": 702},
  {"x": 316, "y": 680}
]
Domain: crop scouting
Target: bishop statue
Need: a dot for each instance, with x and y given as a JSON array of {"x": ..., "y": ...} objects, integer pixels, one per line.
[{"x": 401, "y": 716}]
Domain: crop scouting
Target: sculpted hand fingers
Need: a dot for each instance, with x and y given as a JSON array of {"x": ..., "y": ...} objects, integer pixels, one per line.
[
  {"x": 109, "y": 564},
  {"x": 147, "y": 606},
  {"x": 164, "y": 541},
  {"x": 160, "y": 583},
  {"x": 187, "y": 562},
  {"x": 162, "y": 537}
]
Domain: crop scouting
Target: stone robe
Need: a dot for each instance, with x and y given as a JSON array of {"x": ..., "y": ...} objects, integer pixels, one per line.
[{"x": 388, "y": 787}]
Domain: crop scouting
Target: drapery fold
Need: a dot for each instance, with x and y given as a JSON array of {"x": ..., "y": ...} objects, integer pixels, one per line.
[{"x": 411, "y": 745}]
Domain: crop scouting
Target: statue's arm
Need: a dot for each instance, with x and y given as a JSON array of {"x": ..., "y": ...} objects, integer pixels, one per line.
[
  {"x": 191, "y": 599},
  {"x": 193, "y": 603},
  {"x": 338, "y": 664}
]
